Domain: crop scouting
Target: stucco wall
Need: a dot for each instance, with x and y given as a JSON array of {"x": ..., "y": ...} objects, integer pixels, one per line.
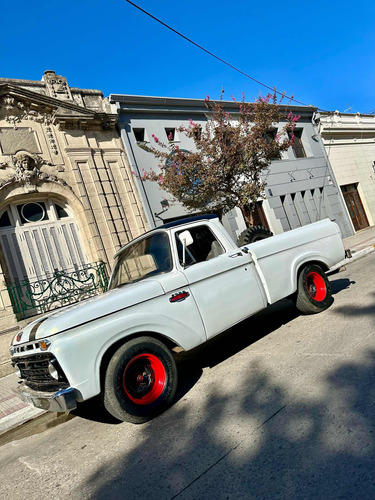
[
  {"x": 350, "y": 144},
  {"x": 299, "y": 190}
]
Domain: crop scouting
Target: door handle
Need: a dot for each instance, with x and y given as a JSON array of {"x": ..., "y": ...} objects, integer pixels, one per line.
[{"x": 238, "y": 254}]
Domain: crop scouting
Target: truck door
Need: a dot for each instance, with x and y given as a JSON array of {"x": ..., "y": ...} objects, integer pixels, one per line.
[{"x": 224, "y": 284}]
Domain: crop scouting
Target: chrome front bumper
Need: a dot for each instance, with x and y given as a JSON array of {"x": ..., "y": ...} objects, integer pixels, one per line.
[{"x": 61, "y": 401}]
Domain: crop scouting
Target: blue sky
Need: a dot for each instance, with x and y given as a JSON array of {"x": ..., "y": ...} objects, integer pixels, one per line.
[{"x": 321, "y": 52}]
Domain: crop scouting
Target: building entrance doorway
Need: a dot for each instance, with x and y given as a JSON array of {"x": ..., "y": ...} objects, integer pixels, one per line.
[
  {"x": 47, "y": 266},
  {"x": 354, "y": 206}
]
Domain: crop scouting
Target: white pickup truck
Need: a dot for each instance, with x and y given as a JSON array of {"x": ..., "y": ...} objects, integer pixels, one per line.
[{"x": 171, "y": 289}]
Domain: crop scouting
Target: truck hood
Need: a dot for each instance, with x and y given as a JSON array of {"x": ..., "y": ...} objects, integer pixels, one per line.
[{"x": 89, "y": 310}]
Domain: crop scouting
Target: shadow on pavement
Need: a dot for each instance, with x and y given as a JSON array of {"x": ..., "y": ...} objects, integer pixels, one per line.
[
  {"x": 340, "y": 284},
  {"x": 313, "y": 447},
  {"x": 93, "y": 409}
]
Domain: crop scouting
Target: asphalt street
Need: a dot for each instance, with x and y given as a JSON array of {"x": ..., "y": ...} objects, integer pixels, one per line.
[{"x": 281, "y": 406}]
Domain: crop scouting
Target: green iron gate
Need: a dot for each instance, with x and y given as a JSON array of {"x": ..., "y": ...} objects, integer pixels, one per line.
[{"x": 62, "y": 288}]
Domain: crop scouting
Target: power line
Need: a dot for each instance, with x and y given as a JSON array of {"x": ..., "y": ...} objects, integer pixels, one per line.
[{"x": 213, "y": 55}]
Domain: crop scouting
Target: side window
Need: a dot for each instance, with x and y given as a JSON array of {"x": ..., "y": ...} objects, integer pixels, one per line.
[{"x": 204, "y": 247}]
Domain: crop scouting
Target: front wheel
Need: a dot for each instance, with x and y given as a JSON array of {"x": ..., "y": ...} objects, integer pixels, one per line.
[
  {"x": 140, "y": 381},
  {"x": 314, "y": 291}
]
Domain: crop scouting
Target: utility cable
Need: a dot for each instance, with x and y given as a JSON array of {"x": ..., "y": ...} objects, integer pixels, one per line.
[{"x": 215, "y": 56}]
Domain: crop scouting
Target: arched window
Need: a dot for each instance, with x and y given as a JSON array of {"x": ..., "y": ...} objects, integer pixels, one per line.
[{"x": 39, "y": 237}]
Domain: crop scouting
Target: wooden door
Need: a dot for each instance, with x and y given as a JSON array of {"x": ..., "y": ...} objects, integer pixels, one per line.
[{"x": 356, "y": 210}]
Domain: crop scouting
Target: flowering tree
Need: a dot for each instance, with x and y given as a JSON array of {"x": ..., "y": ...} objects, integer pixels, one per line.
[{"x": 230, "y": 160}]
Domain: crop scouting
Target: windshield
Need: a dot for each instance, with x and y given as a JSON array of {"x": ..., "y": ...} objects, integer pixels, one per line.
[{"x": 148, "y": 257}]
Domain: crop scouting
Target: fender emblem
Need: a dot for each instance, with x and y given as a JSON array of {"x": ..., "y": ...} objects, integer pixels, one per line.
[
  {"x": 19, "y": 336},
  {"x": 179, "y": 296}
]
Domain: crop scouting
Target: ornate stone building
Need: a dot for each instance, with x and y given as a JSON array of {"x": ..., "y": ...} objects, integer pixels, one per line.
[{"x": 67, "y": 197}]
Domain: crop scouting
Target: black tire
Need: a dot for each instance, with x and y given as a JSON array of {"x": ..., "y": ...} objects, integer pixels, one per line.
[
  {"x": 252, "y": 234},
  {"x": 140, "y": 381},
  {"x": 314, "y": 290}
]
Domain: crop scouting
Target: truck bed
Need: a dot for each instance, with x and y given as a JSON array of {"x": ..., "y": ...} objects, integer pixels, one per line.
[{"x": 278, "y": 259}]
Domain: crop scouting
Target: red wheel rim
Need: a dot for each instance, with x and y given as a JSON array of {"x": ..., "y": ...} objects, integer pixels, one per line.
[
  {"x": 144, "y": 379},
  {"x": 316, "y": 286}
]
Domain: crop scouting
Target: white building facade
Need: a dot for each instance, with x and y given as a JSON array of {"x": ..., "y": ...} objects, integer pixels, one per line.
[{"x": 349, "y": 140}]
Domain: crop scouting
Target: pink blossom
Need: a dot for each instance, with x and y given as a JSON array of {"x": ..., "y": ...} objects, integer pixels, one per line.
[
  {"x": 233, "y": 99},
  {"x": 207, "y": 98}
]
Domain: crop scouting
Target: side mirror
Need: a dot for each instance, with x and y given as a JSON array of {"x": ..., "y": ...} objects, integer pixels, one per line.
[{"x": 186, "y": 240}]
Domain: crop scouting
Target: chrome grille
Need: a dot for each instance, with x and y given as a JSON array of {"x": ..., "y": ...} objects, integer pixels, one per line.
[{"x": 34, "y": 370}]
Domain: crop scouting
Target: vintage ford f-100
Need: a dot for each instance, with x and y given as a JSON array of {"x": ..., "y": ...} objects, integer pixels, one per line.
[{"x": 171, "y": 289}]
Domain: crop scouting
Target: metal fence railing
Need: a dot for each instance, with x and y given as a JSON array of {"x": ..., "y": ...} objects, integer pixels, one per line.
[{"x": 56, "y": 290}]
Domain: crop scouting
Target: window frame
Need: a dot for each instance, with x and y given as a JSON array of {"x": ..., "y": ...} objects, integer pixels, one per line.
[
  {"x": 214, "y": 234},
  {"x": 145, "y": 139},
  {"x": 137, "y": 242},
  {"x": 298, "y": 132}
]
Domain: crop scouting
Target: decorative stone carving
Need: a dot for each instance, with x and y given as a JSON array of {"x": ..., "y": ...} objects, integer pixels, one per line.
[
  {"x": 51, "y": 137},
  {"x": 28, "y": 171},
  {"x": 16, "y": 110},
  {"x": 27, "y": 168},
  {"x": 57, "y": 86}
]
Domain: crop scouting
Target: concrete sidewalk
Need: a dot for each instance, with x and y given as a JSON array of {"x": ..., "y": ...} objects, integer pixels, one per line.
[
  {"x": 13, "y": 411},
  {"x": 15, "y": 414}
]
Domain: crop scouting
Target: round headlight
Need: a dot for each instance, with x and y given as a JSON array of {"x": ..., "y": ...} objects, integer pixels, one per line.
[
  {"x": 18, "y": 371},
  {"x": 53, "y": 372}
]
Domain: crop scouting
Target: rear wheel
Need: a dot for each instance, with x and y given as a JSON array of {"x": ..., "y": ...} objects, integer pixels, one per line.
[
  {"x": 140, "y": 381},
  {"x": 252, "y": 234},
  {"x": 314, "y": 290}
]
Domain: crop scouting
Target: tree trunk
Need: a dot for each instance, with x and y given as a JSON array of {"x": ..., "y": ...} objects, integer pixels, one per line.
[{"x": 248, "y": 214}]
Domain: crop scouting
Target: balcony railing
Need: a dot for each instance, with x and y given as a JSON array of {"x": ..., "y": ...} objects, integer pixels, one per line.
[{"x": 59, "y": 289}]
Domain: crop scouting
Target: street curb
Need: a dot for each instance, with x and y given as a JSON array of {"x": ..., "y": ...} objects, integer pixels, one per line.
[
  {"x": 34, "y": 425},
  {"x": 355, "y": 256}
]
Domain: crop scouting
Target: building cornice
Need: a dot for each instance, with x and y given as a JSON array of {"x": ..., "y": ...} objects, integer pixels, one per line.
[
  {"x": 66, "y": 114},
  {"x": 152, "y": 104}
]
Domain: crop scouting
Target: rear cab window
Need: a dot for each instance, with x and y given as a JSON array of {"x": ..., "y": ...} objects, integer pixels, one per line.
[{"x": 205, "y": 246}]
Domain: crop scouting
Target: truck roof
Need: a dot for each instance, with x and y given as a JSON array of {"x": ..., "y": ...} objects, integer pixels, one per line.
[{"x": 186, "y": 221}]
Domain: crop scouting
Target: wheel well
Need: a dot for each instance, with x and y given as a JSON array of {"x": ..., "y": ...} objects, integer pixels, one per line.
[
  {"x": 311, "y": 263},
  {"x": 113, "y": 348},
  {"x": 304, "y": 264}
]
